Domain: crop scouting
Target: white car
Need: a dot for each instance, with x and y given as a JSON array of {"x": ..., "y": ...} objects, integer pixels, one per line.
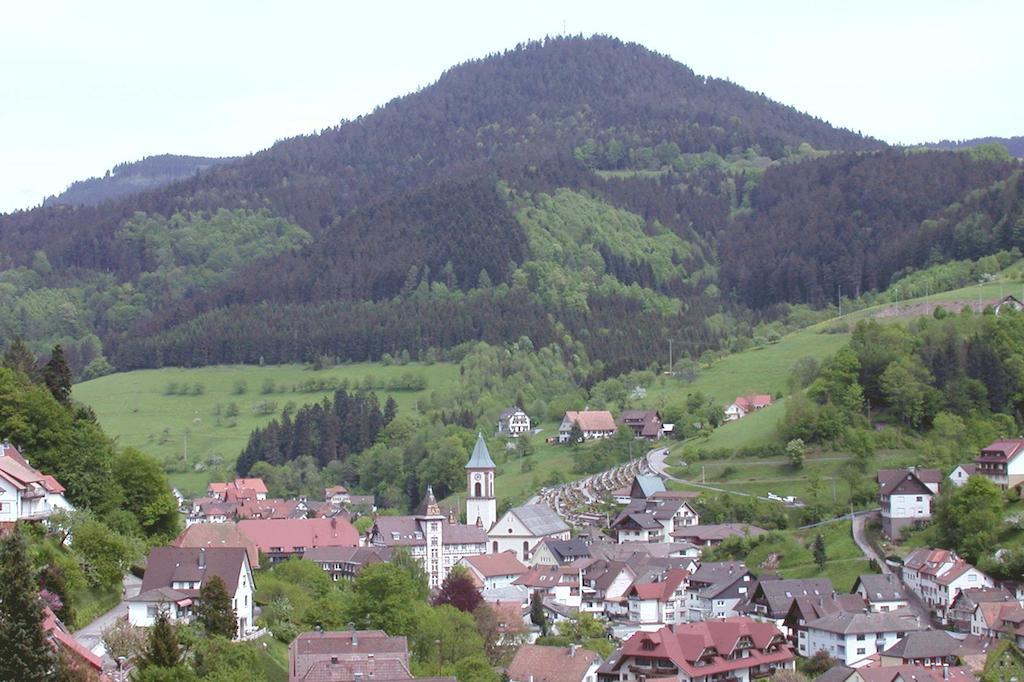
[{"x": 773, "y": 496}]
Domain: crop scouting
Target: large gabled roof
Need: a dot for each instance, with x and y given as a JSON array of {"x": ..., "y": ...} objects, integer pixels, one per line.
[
  {"x": 481, "y": 457},
  {"x": 540, "y": 519}
]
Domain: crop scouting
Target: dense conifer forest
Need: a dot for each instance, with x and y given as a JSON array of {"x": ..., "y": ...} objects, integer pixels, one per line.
[{"x": 573, "y": 188}]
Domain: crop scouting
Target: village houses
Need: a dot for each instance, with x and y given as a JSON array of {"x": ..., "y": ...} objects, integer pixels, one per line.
[
  {"x": 937, "y": 576},
  {"x": 851, "y": 637},
  {"x": 655, "y": 519}
]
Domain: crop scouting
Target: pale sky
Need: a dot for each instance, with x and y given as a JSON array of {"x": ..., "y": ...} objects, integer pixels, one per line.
[{"x": 86, "y": 85}]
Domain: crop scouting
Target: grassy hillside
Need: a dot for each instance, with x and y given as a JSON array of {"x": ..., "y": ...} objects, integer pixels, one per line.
[{"x": 135, "y": 408}]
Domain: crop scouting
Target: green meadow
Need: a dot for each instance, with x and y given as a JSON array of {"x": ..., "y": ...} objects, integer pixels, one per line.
[{"x": 193, "y": 434}]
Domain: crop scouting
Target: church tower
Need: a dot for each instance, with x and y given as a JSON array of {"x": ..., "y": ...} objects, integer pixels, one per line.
[
  {"x": 481, "y": 507},
  {"x": 431, "y": 525}
]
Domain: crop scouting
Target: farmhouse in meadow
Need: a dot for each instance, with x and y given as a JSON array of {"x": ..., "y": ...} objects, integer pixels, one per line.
[{"x": 593, "y": 424}]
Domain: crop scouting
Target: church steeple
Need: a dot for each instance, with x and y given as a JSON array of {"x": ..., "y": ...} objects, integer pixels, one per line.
[
  {"x": 481, "y": 505},
  {"x": 432, "y": 508}
]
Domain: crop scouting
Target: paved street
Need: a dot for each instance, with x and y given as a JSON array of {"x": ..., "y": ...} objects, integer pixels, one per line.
[{"x": 91, "y": 635}]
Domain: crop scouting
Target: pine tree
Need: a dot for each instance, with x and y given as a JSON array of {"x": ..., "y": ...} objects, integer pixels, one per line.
[
  {"x": 19, "y": 358},
  {"x": 390, "y": 410},
  {"x": 162, "y": 648},
  {"x": 819, "y": 551},
  {"x": 214, "y": 610},
  {"x": 25, "y": 653},
  {"x": 537, "y": 615},
  {"x": 57, "y": 376}
]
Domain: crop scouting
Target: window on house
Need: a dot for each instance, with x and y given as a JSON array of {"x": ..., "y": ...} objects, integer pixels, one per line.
[{"x": 860, "y": 652}]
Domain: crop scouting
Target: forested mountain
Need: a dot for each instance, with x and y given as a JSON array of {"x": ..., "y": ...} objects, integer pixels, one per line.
[
  {"x": 130, "y": 178},
  {"x": 1014, "y": 145},
  {"x": 576, "y": 189}
]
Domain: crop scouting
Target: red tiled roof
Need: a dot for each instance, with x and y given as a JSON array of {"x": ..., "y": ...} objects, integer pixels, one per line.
[
  {"x": 753, "y": 401},
  {"x": 218, "y": 535},
  {"x": 661, "y": 590},
  {"x": 592, "y": 420},
  {"x": 1001, "y": 450},
  {"x": 291, "y": 533},
  {"x": 550, "y": 664},
  {"x": 503, "y": 563},
  {"x": 255, "y": 484},
  {"x": 710, "y": 641},
  {"x": 59, "y": 636},
  {"x": 15, "y": 468}
]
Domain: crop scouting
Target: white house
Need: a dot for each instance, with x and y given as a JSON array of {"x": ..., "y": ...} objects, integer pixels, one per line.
[
  {"x": 906, "y": 497},
  {"x": 937, "y": 576},
  {"x": 513, "y": 422},
  {"x": 604, "y": 587},
  {"x": 661, "y": 602},
  {"x": 25, "y": 493},
  {"x": 522, "y": 528},
  {"x": 716, "y": 590},
  {"x": 745, "y": 404},
  {"x": 881, "y": 593},
  {"x": 593, "y": 424},
  {"x": 655, "y": 519},
  {"x": 850, "y": 637},
  {"x": 175, "y": 575},
  {"x": 962, "y": 472}
]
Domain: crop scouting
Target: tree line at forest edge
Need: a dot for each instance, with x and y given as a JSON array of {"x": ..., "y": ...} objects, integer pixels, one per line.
[{"x": 372, "y": 222}]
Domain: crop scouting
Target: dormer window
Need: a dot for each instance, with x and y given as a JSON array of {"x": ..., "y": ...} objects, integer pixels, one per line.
[{"x": 648, "y": 645}]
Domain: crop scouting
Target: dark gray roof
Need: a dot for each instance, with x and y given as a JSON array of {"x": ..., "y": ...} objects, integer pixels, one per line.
[
  {"x": 879, "y": 587},
  {"x": 840, "y": 673},
  {"x": 540, "y": 519},
  {"x": 844, "y": 622},
  {"x": 167, "y": 565},
  {"x": 568, "y": 549},
  {"x": 712, "y": 578},
  {"x": 925, "y": 644},
  {"x": 481, "y": 458},
  {"x": 779, "y": 594}
]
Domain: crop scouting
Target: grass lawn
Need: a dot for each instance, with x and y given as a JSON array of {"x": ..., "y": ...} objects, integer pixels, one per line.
[
  {"x": 90, "y": 604},
  {"x": 793, "y": 551},
  {"x": 757, "y": 428},
  {"x": 761, "y": 476},
  {"x": 272, "y": 655},
  {"x": 134, "y": 407},
  {"x": 757, "y": 370}
]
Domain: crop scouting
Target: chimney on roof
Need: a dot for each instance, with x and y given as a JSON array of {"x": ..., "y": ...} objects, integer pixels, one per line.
[
  {"x": 202, "y": 557},
  {"x": 572, "y": 651},
  {"x": 334, "y": 660},
  {"x": 352, "y": 630},
  {"x": 945, "y": 671}
]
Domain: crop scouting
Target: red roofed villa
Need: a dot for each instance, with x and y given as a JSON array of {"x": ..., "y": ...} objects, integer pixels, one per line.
[
  {"x": 745, "y": 404},
  {"x": 1002, "y": 462},
  {"x": 738, "y": 649},
  {"x": 593, "y": 423},
  {"x": 25, "y": 493}
]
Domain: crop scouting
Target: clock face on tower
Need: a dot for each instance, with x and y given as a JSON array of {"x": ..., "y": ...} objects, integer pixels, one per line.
[{"x": 477, "y": 477}]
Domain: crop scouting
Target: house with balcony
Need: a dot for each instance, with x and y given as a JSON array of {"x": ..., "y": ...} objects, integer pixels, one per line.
[
  {"x": 27, "y": 494},
  {"x": 733, "y": 649},
  {"x": 345, "y": 563},
  {"x": 772, "y": 598},
  {"x": 716, "y": 589},
  {"x": 962, "y": 610},
  {"x": 660, "y": 601},
  {"x": 655, "y": 519},
  {"x": 604, "y": 584},
  {"x": 494, "y": 571},
  {"x": 807, "y": 609},
  {"x": 1002, "y": 462},
  {"x": 645, "y": 424}
]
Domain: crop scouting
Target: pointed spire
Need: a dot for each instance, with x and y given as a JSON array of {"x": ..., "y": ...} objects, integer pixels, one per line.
[
  {"x": 432, "y": 508},
  {"x": 481, "y": 458}
]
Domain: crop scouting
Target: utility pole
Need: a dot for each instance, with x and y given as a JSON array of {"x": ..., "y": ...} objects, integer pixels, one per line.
[
  {"x": 670, "y": 371},
  {"x": 839, "y": 298}
]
